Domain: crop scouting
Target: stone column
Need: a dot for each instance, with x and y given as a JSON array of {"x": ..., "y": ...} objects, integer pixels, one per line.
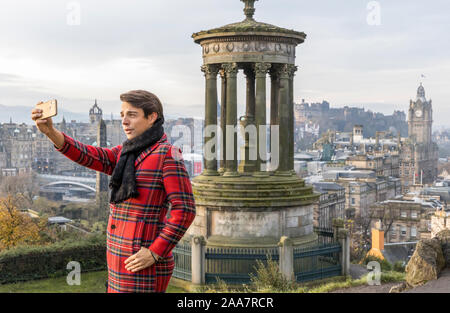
[
  {"x": 342, "y": 236},
  {"x": 223, "y": 119},
  {"x": 261, "y": 70},
  {"x": 231, "y": 70},
  {"x": 286, "y": 261},
  {"x": 248, "y": 159},
  {"x": 250, "y": 96},
  {"x": 198, "y": 260},
  {"x": 211, "y": 71},
  {"x": 292, "y": 70},
  {"x": 336, "y": 224},
  {"x": 274, "y": 97},
  {"x": 274, "y": 94},
  {"x": 344, "y": 240},
  {"x": 283, "y": 114}
]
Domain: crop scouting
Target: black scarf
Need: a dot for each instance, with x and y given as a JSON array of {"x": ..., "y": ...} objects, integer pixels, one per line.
[{"x": 123, "y": 179}]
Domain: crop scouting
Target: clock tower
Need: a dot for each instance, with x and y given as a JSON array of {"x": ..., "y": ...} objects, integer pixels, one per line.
[
  {"x": 420, "y": 118},
  {"x": 418, "y": 154}
]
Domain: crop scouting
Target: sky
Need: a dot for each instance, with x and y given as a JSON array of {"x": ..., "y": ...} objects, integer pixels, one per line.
[{"x": 369, "y": 54}]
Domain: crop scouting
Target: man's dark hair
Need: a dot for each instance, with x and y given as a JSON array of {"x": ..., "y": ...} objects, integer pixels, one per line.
[{"x": 144, "y": 100}]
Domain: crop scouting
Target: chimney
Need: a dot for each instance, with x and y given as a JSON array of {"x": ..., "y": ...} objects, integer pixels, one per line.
[{"x": 377, "y": 241}]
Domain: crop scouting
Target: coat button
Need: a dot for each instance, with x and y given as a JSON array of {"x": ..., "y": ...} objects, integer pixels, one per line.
[{"x": 113, "y": 226}]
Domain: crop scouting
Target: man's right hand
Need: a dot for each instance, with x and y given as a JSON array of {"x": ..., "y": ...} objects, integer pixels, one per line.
[{"x": 44, "y": 125}]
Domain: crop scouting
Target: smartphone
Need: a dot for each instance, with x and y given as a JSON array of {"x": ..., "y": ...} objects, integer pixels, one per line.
[{"x": 49, "y": 109}]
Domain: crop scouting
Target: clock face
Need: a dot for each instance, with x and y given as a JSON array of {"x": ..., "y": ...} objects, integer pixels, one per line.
[{"x": 419, "y": 113}]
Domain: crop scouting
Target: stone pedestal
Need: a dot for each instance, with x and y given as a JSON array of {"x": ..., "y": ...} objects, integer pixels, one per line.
[
  {"x": 249, "y": 210},
  {"x": 198, "y": 260},
  {"x": 286, "y": 258}
]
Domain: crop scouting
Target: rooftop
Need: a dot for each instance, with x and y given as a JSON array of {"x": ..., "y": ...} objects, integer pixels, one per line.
[
  {"x": 59, "y": 220},
  {"x": 250, "y": 26},
  {"x": 325, "y": 186}
]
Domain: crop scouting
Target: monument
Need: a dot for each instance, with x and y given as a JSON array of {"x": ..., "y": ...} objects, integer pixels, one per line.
[
  {"x": 255, "y": 203},
  {"x": 418, "y": 153}
]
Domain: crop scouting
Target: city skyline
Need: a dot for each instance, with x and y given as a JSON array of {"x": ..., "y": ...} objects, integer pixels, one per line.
[{"x": 112, "y": 47}]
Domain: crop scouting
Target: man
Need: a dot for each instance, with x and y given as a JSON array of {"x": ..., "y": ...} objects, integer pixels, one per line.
[{"x": 147, "y": 174}]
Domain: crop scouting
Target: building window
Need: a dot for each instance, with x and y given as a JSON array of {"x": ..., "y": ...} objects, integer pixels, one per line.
[
  {"x": 353, "y": 201},
  {"x": 413, "y": 231},
  {"x": 403, "y": 231},
  {"x": 413, "y": 214},
  {"x": 403, "y": 214},
  {"x": 393, "y": 231}
]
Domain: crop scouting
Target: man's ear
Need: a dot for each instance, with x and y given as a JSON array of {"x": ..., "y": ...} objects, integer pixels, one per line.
[{"x": 156, "y": 116}]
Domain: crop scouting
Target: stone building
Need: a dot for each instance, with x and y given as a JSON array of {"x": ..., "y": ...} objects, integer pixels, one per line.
[
  {"x": 383, "y": 164},
  {"x": 3, "y": 156},
  {"x": 43, "y": 158},
  {"x": 383, "y": 143},
  {"x": 331, "y": 204},
  {"x": 419, "y": 154},
  {"x": 367, "y": 162},
  {"x": 16, "y": 142},
  {"x": 115, "y": 134},
  {"x": 363, "y": 188},
  {"x": 407, "y": 218}
]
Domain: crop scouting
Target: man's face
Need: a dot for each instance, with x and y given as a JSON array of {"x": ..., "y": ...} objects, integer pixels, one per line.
[{"x": 134, "y": 122}]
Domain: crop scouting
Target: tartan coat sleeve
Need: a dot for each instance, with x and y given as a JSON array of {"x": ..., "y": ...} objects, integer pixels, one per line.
[
  {"x": 96, "y": 158},
  {"x": 179, "y": 193}
]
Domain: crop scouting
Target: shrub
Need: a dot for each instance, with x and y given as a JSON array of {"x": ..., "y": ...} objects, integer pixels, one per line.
[
  {"x": 35, "y": 262},
  {"x": 385, "y": 265},
  {"x": 269, "y": 278},
  {"x": 399, "y": 266}
]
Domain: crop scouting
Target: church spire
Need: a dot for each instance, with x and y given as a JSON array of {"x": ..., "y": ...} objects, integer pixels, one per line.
[
  {"x": 95, "y": 113},
  {"x": 421, "y": 93}
]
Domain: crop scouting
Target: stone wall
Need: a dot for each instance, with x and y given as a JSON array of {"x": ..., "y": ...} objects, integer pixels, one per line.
[
  {"x": 439, "y": 221},
  {"x": 293, "y": 222}
]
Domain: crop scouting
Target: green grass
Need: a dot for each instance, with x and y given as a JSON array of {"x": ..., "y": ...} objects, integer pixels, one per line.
[
  {"x": 92, "y": 282},
  {"x": 317, "y": 286},
  {"x": 386, "y": 277}
]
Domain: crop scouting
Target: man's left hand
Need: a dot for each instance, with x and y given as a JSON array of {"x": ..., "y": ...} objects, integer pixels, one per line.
[{"x": 142, "y": 259}]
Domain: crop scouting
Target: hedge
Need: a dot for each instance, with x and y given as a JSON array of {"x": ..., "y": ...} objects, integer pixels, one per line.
[
  {"x": 36, "y": 262},
  {"x": 385, "y": 265}
]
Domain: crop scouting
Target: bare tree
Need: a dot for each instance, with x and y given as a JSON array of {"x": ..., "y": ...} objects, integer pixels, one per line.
[
  {"x": 22, "y": 187},
  {"x": 387, "y": 214}
]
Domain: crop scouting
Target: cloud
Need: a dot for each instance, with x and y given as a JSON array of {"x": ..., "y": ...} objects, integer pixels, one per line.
[{"x": 147, "y": 44}]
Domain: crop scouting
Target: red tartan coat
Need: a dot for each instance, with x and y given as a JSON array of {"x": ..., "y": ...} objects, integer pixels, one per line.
[{"x": 161, "y": 178}]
